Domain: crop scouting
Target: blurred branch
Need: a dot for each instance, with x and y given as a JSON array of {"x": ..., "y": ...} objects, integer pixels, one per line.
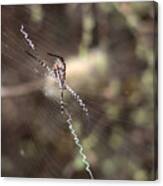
[{"x": 23, "y": 89}]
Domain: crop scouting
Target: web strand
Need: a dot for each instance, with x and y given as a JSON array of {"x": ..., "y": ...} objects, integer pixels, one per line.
[
  {"x": 77, "y": 142},
  {"x": 26, "y": 37},
  {"x": 58, "y": 74}
]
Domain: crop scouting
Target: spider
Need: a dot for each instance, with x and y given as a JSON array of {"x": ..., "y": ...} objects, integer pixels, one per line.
[{"x": 59, "y": 69}]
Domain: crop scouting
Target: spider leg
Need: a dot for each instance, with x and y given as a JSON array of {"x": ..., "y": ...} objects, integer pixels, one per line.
[
  {"x": 62, "y": 107},
  {"x": 57, "y": 56},
  {"x": 38, "y": 59},
  {"x": 78, "y": 99},
  {"x": 61, "y": 86},
  {"x": 31, "y": 55}
]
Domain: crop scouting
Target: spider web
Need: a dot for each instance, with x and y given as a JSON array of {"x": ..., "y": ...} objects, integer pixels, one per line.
[{"x": 36, "y": 141}]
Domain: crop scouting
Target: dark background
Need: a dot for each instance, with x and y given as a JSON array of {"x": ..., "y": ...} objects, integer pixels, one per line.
[{"x": 111, "y": 55}]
